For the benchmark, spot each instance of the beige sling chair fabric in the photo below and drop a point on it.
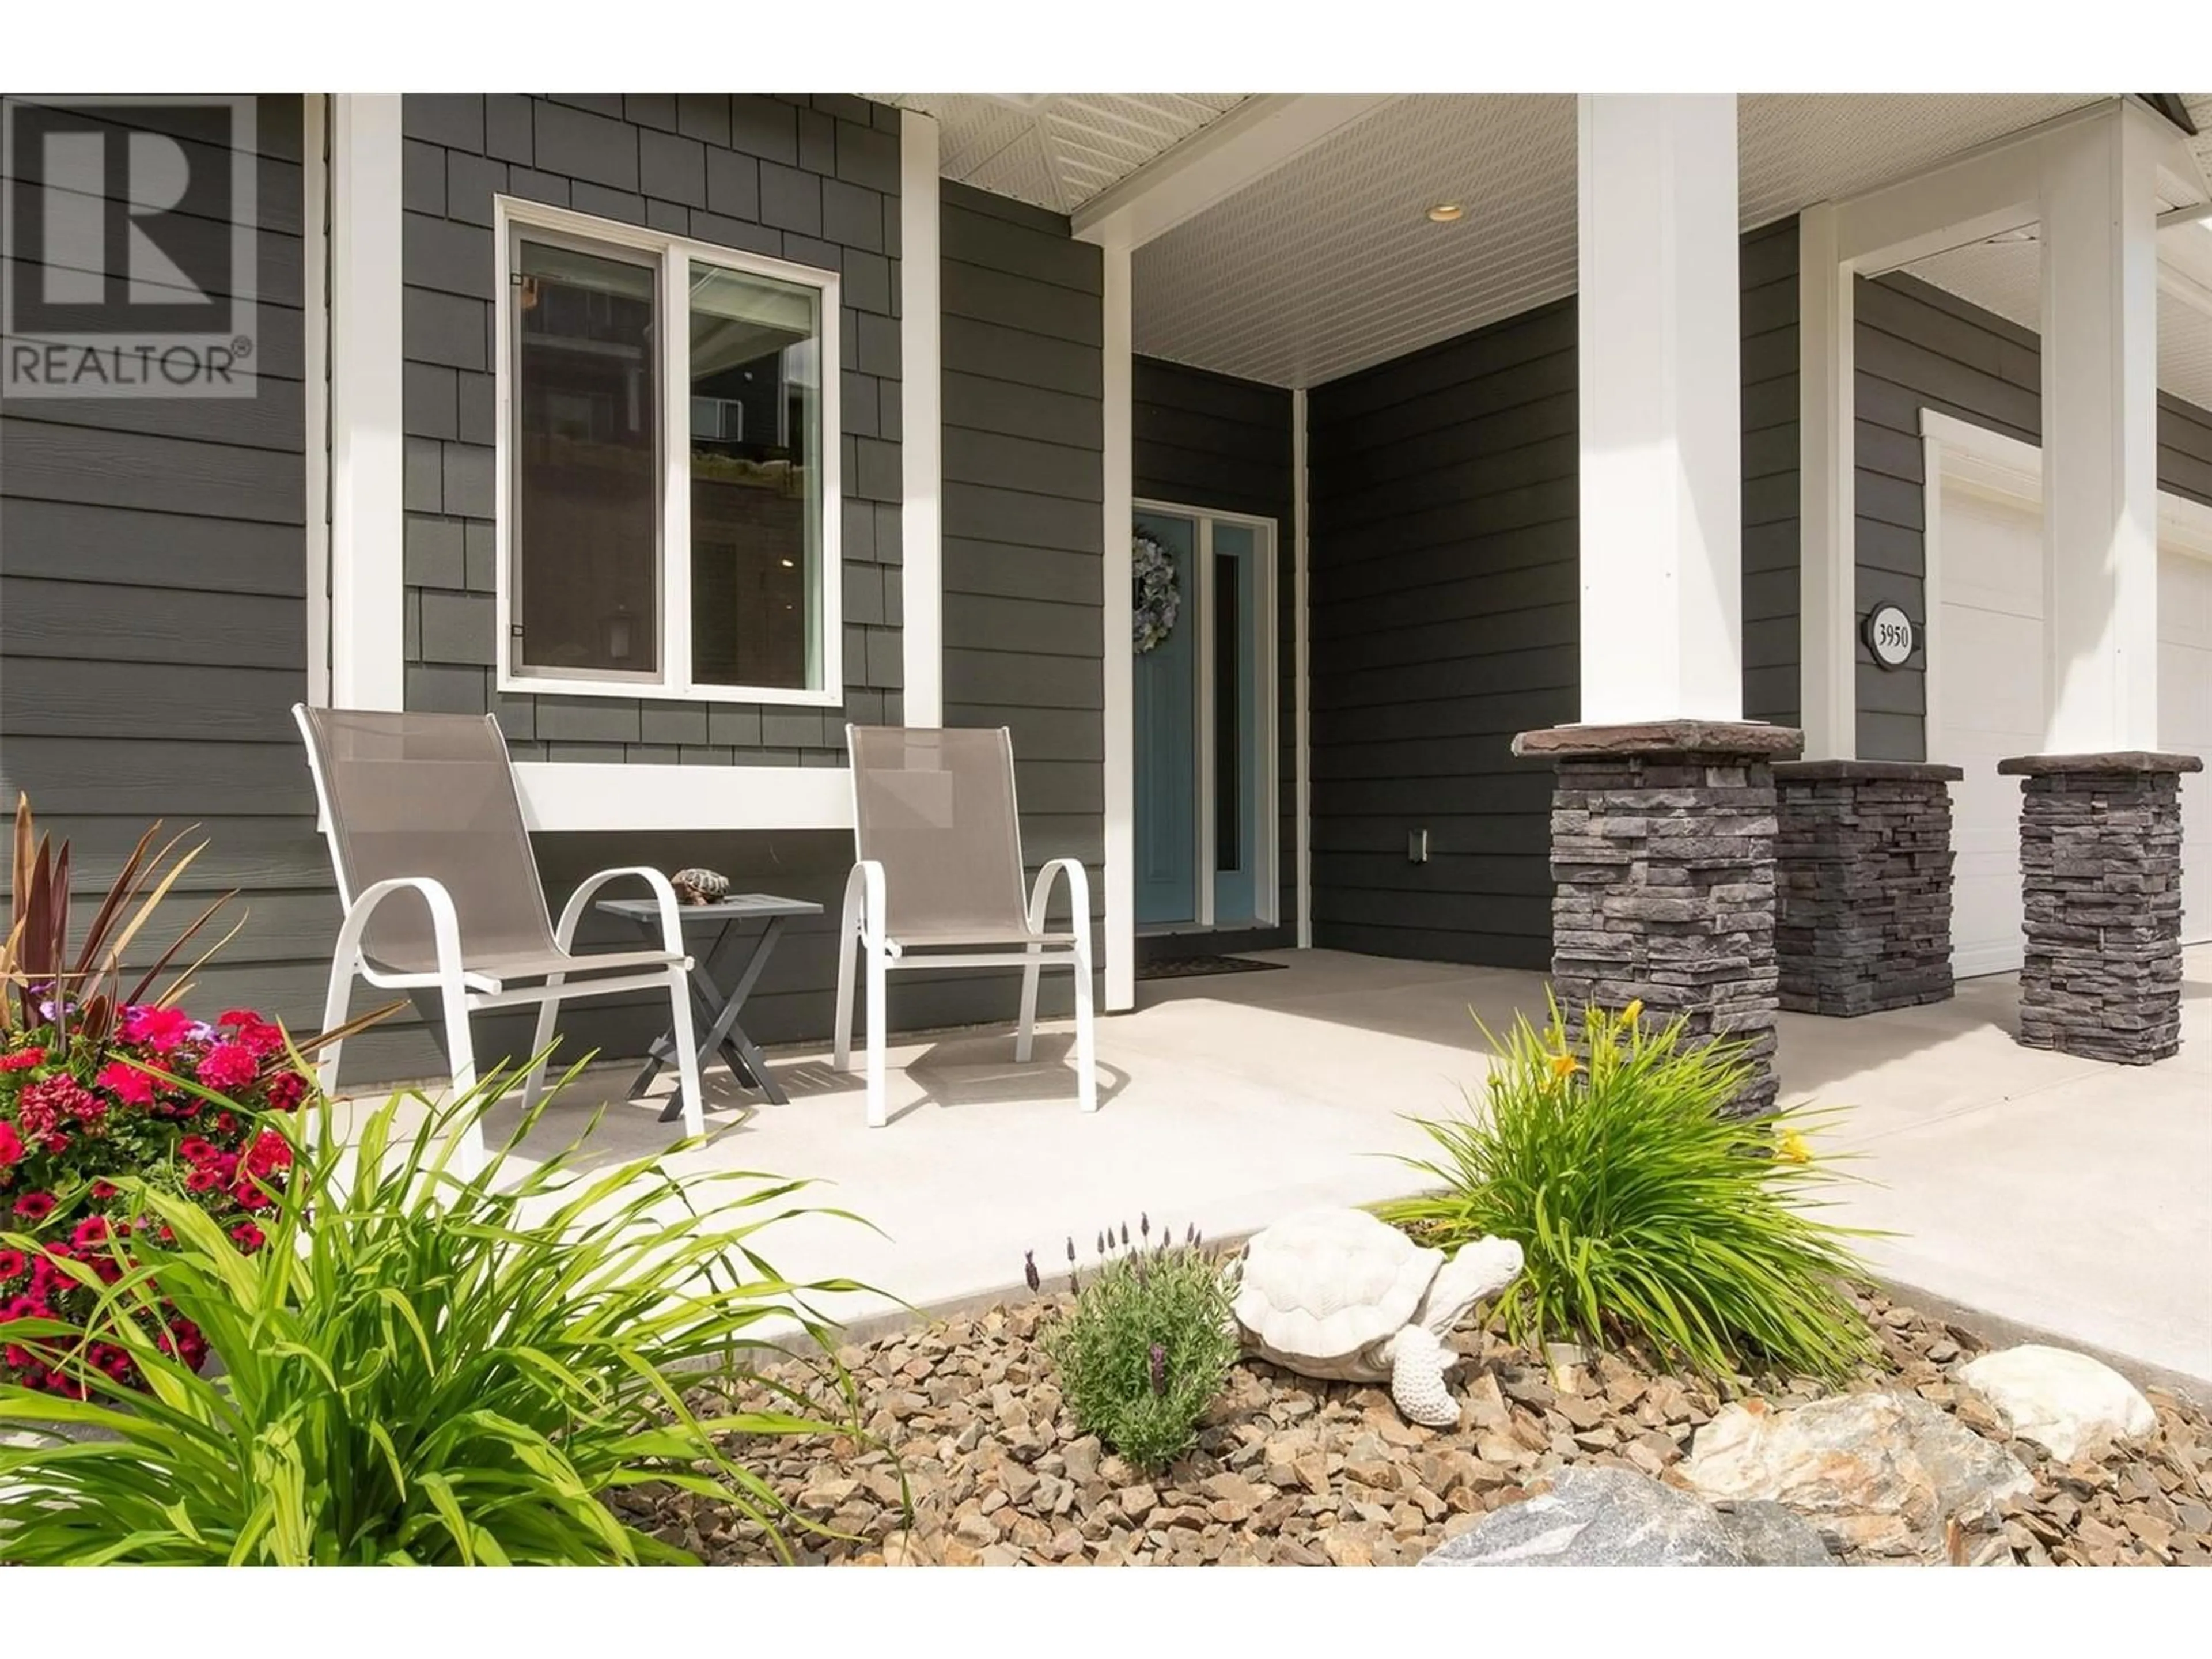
(938, 884)
(426, 806)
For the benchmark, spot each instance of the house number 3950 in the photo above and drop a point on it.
(1889, 636)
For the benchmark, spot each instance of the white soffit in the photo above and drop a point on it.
(1328, 266)
(1058, 149)
(2006, 277)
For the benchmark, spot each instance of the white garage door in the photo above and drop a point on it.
(1989, 628)
(2185, 719)
(1990, 631)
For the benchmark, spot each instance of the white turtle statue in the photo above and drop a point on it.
(1336, 1293)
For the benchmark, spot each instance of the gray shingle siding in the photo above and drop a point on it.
(1023, 382)
(152, 633)
(1918, 347)
(1224, 445)
(1443, 564)
(746, 172)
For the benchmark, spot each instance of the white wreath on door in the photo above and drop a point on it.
(1157, 598)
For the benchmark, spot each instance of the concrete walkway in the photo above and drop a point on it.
(2058, 1194)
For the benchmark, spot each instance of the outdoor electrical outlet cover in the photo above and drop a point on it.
(1416, 847)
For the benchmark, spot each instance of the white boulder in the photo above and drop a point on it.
(2065, 1403)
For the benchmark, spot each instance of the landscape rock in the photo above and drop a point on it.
(1595, 1517)
(2065, 1403)
(1878, 1474)
(1772, 1536)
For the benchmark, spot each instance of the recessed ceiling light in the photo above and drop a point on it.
(1445, 212)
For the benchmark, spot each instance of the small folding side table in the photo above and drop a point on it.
(716, 1009)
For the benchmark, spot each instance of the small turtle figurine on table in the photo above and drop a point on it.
(700, 886)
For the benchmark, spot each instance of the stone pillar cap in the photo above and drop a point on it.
(1869, 771)
(1749, 737)
(2118, 761)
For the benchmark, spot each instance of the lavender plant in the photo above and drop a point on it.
(1148, 1343)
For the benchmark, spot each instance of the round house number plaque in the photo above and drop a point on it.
(1889, 636)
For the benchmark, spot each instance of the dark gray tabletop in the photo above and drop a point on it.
(735, 907)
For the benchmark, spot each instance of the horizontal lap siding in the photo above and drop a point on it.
(1442, 575)
(1918, 347)
(1446, 615)
(1023, 433)
(153, 624)
(1224, 446)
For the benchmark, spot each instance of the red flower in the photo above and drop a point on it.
(103, 1190)
(126, 1083)
(22, 1059)
(248, 1238)
(271, 1152)
(35, 1206)
(204, 1178)
(196, 1149)
(229, 1066)
(11, 1146)
(159, 1029)
(285, 1091)
(91, 1232)
(14, 1264)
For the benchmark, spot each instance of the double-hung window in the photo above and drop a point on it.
(668, 468)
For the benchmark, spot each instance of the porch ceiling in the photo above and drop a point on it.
(1328, 264)
(1058, 149)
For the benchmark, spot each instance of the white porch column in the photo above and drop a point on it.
(2099, 434)
(368, 598)
(1117, 463)
(1827, 457)
(1661, 489)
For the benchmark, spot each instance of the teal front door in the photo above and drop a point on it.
(1204, 729)
(1166, 729)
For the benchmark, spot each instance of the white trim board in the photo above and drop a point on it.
(614, 795)
(315, 202)
(1301, 669)
(367, 597)
(1118, 472)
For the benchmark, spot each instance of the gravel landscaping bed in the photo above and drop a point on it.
(1291, 1471)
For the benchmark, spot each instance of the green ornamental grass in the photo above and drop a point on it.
(1147, 1346)
(418, 1367)
(1645, 1213)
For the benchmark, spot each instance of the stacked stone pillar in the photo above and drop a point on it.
(2100, 879)
(1864, 919)
(1663, 858)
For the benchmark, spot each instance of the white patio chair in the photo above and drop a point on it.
(426, 805)
(939, 884)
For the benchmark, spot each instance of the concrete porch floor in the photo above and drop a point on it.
(2057, 1194)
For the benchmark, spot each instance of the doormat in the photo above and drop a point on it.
(1194, 967)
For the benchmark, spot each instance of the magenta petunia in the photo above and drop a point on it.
(159, 1029)
(229, 1066)
(126, 1083)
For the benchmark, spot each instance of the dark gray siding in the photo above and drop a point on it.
(1224, 445)
(1769, 325)
(1441, 564)
(1446, 616)
(811, 181)
(1918, 347)
(153, 624)
(1023, 383)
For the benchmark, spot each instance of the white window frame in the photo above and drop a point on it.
(672, 255)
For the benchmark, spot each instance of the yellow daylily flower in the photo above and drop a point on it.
(1791, 1145)
(1631, 1013)
(1565, 1066)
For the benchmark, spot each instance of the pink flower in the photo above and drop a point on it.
(22, 1059)
(126, 1083)
(159, 1029)
(11, 1146)
(229, 1066)
(35, 1206)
